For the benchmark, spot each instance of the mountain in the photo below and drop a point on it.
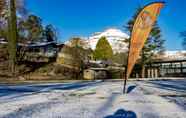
(115, 37)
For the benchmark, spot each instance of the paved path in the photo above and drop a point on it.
(145, 99)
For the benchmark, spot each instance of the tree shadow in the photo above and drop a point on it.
(131, 88)
(108, 103)
(25, 90)
(121, 113)
(173, 85)
(28, 110)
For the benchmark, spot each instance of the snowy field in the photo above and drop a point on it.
(145, 99)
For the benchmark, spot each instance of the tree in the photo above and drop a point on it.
(77, 42)
(154, 43)
(3, 33)
(21, 9)
(2, 5)
(120, 58)
(31, 29)
(12, 36)
(78, 52)
(8, 20)
(5, 13)
(183, 35)
(103, 50)
(19, 4)
(50, 33)
(74, 55)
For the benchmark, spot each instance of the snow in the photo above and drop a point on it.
(96, 99)
(115, 37)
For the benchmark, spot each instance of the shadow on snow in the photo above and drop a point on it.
(121, 113)
(131, 88)
(172, 85)
(24, 90)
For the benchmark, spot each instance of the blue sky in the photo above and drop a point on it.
(84, 17)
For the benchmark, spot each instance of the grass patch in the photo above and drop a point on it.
(82, 94)
(102, 97)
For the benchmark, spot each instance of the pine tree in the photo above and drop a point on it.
(183, 35)
(103, 50)
(154, 43)
(50, 33)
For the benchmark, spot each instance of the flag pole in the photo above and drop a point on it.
(125, 76)
(124, 86)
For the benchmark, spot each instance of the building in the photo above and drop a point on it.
(38, 51)
(170, 64)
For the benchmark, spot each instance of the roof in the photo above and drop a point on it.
(101, 69)
(38, 44)
(169, 61)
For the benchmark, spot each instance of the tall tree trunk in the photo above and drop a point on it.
(143, 65)
(12, 36)
(143, 71)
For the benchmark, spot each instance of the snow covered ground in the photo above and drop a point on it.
(145, 99)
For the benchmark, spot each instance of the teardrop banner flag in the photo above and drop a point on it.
(141, 30)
